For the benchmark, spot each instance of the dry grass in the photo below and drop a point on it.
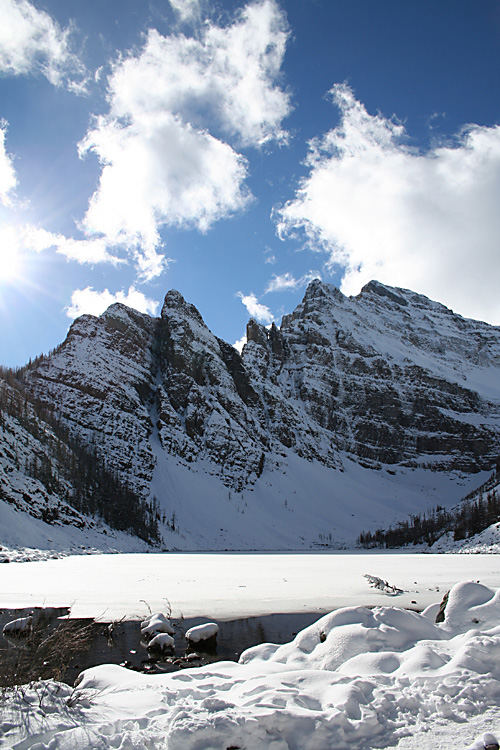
(44, 653)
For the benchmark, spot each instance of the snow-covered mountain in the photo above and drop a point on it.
(352, 414)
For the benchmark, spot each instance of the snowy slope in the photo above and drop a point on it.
(353, 414)
(37, 519)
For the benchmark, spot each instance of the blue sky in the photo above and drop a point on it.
(235, 151)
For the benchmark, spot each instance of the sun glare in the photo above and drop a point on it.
(10, 264)
(10, 256)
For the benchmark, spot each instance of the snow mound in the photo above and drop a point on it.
(17, 627)
(155, 624)
(161, 642)
(357, 678)
(202, 632)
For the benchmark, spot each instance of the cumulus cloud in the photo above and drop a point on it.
(89, 301)
(240, 343)
(427, 220)
(31, 41)
(287, 282)
(159, 171)
(174, 109)
(229, 74)
(8, 179)
(255, 308)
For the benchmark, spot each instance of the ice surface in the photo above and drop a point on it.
(228, 585)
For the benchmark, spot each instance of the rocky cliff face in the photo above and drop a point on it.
(388, 377)
(384, 400)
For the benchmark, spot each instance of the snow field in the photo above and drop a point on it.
(358, 677)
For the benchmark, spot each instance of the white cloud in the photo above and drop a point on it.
(424, 220)
(30, 40)
(159, 171)
(240, 343)
(164, 160)
(89, 301)
(228, 74)
(187, 10)
(256, 309)
(28, 238)
(286, 281)
(8, 179)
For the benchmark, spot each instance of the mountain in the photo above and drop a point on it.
(352, 414)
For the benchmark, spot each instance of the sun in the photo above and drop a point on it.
(10, 264)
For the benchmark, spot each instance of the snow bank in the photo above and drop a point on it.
(484, 543)
(356, 678)
(488, 741)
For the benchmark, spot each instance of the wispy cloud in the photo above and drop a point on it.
(89, 301)
(286, 281)
(187, 10)
(8, 179)
(179, 109)
(255, 308)
(29, 238)
(32, 42)
(381, 209)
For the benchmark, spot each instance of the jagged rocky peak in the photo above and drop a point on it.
(184, 339)
(269, 340)
(175, 303)
(256, 333)
(319, 298)
(376, 289)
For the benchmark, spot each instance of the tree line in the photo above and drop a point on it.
(73, 470)
(472, 516)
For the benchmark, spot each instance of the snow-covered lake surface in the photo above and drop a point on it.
(225, 586)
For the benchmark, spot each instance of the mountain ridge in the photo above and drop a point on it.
(384, 402)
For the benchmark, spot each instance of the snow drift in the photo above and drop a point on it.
(355, 678)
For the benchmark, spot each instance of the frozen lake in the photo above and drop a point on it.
(230, 585)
